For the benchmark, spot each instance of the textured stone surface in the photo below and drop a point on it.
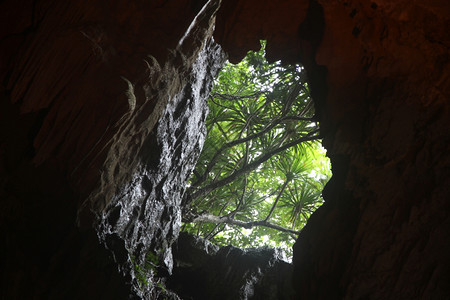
(205, 271)
(101, 126)
(146, 212)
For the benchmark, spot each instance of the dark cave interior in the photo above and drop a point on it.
(102, 110)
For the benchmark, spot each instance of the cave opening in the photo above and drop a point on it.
(262, 169)
(383, 74)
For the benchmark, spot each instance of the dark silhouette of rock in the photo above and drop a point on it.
(205, 271)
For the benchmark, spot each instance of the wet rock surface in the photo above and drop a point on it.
(99, 132)
(205, 271)
(145, 217)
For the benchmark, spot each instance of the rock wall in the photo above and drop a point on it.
(380, 77)
(92, 95)
(144, 217)
(103, 110)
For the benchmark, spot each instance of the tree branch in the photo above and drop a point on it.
(248, 168)
(208, 218)
(234, 97)
(230, 144)
(276, 200)
(283, 117)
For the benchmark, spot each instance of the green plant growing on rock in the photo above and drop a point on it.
(143, 273)
(262, 169)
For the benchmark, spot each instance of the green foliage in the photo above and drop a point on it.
(143, 273)
(262, 163)
(152, 259)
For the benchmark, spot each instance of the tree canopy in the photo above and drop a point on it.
(262, 168)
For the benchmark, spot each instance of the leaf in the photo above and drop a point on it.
(259, 115)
